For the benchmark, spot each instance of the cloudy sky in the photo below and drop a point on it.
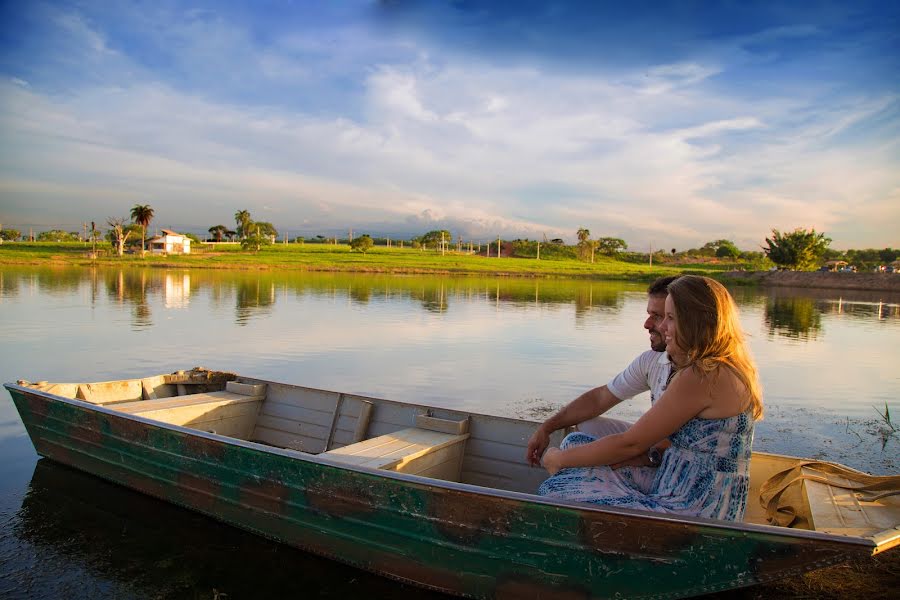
(670, 124)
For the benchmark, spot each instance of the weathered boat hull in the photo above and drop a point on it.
(452, 537)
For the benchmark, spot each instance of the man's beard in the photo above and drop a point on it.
(659, 346)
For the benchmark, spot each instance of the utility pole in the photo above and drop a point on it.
(539, 251)
(84, 232)
(442, 243)
(351, 234)
(498, 245)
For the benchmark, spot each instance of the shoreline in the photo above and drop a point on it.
(881, 282)
(327, 259)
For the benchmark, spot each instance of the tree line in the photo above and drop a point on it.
(800, 249)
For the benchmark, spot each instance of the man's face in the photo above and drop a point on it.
(656, 310)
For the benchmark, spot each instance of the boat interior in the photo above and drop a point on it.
(430, 442)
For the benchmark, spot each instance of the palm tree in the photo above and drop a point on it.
(243, 221)
(142, 214)
(583, 234)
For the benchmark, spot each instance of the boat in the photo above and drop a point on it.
(436, 497)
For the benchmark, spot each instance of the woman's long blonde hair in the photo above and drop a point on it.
(709, 330)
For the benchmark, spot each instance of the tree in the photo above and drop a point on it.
(585, 245)
(56, 235)
(432, 239)
(263, 228)
(611, 246)
(583, 234)
(255, 241)
(118, 233)
(218, 232)
(142, 214)
(799, 249)
(243, 221)
(10, 235)
(727, 250)
(362, 243)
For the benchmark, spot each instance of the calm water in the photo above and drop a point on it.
(510, 347)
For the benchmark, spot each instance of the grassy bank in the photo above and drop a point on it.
(320, 257)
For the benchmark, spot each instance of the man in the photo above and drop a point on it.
(649, 371)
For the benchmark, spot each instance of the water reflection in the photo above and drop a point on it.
(131, 288)
(791, 313)
(798, 313)
(89, 538)
(797, 318)
(253, 299)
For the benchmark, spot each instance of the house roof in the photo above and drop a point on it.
(169, 232)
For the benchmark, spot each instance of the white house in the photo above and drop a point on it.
(170, 243)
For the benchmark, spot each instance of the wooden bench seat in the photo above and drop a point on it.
(838, 510)
(231, 412)
(415, 451)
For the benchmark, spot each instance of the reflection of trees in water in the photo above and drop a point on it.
(798, 318)
(50, 281)
(9, 284)
(360, 293)
(131, 287)
(590, 298)
(253, 298)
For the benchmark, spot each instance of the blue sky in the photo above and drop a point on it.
(670, 124)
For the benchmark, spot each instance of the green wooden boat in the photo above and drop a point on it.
(438, 498)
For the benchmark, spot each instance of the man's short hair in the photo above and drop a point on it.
(658, 287)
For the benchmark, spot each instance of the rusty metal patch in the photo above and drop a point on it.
(466, 518)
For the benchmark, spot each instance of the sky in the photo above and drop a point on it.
(666, 124)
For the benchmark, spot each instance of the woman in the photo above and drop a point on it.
(707, 413)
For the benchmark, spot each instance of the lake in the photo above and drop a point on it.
(512, 347)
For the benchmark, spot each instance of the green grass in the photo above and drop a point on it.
(325, 257)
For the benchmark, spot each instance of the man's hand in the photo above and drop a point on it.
(551, 460)
(536, 446)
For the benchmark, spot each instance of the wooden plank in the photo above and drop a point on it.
(838, 510)
(247, 389)
(490, 449)
(283, 439)
(410, 450)
(292, 427)
(300, 414)
(235, 420)
(303, 397)
(444, 425)
(186, 415)
(105, 392)
(141, 406)
(444, 463)
(362, 421)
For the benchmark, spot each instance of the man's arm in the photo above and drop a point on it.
(586, 406)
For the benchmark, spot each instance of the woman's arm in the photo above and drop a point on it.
(685, 398)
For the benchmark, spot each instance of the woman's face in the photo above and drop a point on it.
(669, 329)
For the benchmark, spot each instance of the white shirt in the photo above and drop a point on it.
(649, 371)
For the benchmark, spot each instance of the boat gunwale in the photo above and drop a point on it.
(468, 488)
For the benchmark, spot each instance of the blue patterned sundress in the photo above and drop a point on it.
(704, 473)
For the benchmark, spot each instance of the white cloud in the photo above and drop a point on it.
(659, 154)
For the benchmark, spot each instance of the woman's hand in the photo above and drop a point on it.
(552, 460)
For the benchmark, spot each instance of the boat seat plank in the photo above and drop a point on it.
(140, 406)
(413, 450)
(837, 510)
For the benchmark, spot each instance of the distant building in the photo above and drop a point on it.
(836, 265)
(170, 242)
